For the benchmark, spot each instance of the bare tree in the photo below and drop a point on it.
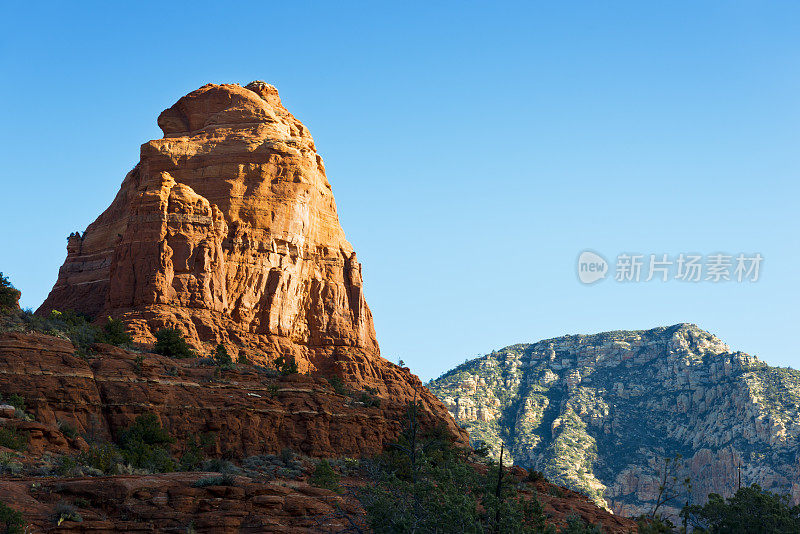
(670, 488)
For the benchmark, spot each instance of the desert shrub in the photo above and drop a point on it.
(144, 445)
(223, 480)
(66, 512)
(9, 295)
(221, 356)
(17, 401)
(66, 465)
(324, 476)
(194, 455)
(576, 525)
(752, 510)
(423, 483)
(170, 342)
(114, 333)
(9, 464)
(242, 358)
(654, 525)
(218, 465)
(287, 455)
(338, 386)
(286, 365)
(369, 400)
(138, 364)
(105, 457)
(534, 476)
(11, 438)
(68, 429)
(12, 519)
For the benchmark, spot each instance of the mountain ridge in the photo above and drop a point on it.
(569, 406)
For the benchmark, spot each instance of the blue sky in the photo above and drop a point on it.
(474, 150)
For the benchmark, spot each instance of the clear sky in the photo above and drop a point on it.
(474, 149)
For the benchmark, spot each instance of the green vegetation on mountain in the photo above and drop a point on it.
(600, 413)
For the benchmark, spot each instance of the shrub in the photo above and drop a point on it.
(423, 483)
(67, 512)
(369, 400)
(338, 386)
(325, 477)
(170, 342)
(9, 295)
(11, 438)
(218, 465)
(223, 480)
(654, 525)
(138, 364)
(749, 510)
(105, 457)
(576, 525)
(535, 476)
(68, 429)
(242, 358)
(221, 356)
(287, 455)
(17, 401)
(65, 465)
(114, 333)
(286, 365)
(144, 445)
(194, 454)
(12, 519)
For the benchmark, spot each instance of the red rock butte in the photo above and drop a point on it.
(226, 229)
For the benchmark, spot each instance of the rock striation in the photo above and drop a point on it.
(599, 413)
(227, 229)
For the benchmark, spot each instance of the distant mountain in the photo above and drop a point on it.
(599, 413)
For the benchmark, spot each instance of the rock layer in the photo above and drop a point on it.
(227, 229)
(599, 413)
(251, 410)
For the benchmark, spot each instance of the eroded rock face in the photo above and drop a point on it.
(600, 413)
(227, 229)
(249, 409)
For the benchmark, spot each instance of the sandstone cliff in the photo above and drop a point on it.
(227, 229)
(599, 413)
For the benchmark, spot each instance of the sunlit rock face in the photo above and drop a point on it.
(600, 413)
(227, 228)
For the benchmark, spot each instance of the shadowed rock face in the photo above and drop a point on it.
(227, 229)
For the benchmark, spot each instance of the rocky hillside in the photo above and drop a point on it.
(599, 413)
(227, 230)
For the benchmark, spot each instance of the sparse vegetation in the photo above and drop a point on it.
(325, 477)
(67, 512)
(222, 480)
(12, 519)
(338, 386)
(221, 356)
(68, 429)
(286, 365)
(170, 342)
(194, 455)
(145, 445)
(13, 439)
(9, 295)
(750, 509)
(422, 483)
